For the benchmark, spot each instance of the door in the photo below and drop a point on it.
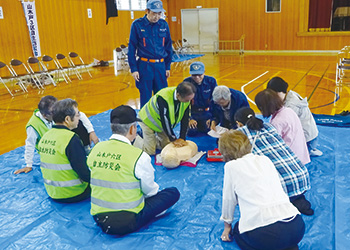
(200, 27)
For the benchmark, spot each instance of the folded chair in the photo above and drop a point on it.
(50, 66)
(63, 64)
(3, 66)
(77, 62)
(38, 71)
(19, 70)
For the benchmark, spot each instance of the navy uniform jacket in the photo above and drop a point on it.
(149, 40)
(238, 100)
(204, 93)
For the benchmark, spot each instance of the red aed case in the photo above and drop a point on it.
(214, 155)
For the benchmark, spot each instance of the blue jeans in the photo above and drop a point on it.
(277, 236)
(124, 222)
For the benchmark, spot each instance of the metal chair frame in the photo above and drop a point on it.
(67, 67)
(37, 68)
(77, 62)
(50, 65)
(17, 63)
(121, 56)
(3, 65)
(343, 66)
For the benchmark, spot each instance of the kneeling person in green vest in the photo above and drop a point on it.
(162, 113)
(124, 195)
(39, 123)
(63, 158)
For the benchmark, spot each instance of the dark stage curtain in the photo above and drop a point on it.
(320, 13)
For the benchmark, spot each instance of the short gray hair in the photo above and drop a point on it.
(221, 92)
(121, 129)
(62, 109)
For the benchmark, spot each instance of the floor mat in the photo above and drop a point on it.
(29, 220)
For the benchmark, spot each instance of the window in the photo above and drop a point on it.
(131, 4)
(273, 6)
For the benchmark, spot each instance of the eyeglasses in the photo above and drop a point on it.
(197, 75)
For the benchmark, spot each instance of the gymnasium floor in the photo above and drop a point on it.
(29, 220)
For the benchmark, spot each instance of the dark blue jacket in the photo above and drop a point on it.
(238, 100)
(149, 40)
(204, 93)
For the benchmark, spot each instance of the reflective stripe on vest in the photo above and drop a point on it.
(150, 117)
(115, 205)
(149, 113)
(55, 166)
(70, 183)
(60, 180)
(115, 185)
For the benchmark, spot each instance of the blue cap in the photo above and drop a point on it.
(197, 68)
(155, 6)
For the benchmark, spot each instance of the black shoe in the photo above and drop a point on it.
(344, 113)
(303, 205)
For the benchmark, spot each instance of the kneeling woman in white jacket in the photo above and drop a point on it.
(267, 219)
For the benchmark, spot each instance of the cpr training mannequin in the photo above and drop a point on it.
(172, 156)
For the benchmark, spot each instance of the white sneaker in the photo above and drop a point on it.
(315, 152)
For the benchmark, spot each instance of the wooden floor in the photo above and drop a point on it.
(310, 76)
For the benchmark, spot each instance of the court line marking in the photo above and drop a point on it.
(226, 75)
(313, 91)
(303, 77)
(242, 88)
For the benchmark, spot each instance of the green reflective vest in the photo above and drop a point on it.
(38, 125)
(60, 180)
(149, 113)
(114, 186)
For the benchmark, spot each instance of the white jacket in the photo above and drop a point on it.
(301, 107)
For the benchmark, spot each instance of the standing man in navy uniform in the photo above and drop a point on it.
(150, 41)
(200, 117)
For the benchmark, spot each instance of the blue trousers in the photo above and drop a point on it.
(277, 236)
(152, 79)
(201, 118)
(124, 222)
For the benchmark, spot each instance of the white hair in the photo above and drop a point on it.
(221, 92)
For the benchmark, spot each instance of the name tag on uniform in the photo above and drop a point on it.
(162, 30)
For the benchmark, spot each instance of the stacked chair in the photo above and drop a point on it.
(122, 57)
(343, 66)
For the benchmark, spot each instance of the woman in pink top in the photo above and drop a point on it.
(285, 120)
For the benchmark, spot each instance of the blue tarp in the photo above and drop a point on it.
(332, 120)
(184, 57)
(29, 220)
